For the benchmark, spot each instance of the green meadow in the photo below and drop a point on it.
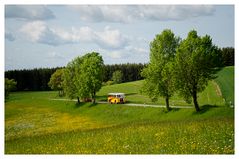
(36, 124)
(225, 81)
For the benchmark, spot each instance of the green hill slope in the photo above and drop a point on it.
(209, 96)
(36, 124)
(225, 80)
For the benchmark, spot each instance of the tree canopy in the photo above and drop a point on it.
(117, 77)
(56, 81)
(10, 85)
(83, 76)
(158, 74)
(228, 56)
(69, 78)
(195, 64)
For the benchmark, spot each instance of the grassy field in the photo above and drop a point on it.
(132, 89)
(34, 124)
(225, 81)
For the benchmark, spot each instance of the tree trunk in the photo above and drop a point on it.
(167, 103)
(78, 100)
(93, 98)
(61, 93)
(195, 102)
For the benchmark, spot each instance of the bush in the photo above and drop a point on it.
(108, 83)
(10, 85)
(117, 77)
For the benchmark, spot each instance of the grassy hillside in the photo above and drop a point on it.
(225, 80)
(133, 95)
(34, 124)
(212, 95)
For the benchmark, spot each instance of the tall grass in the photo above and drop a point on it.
(194, 137)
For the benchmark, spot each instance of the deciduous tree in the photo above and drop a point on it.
(83, 76)
(158, 74)
(69, 79)
(56, 81)
(117, 77)
(10, 85)
(195, 65)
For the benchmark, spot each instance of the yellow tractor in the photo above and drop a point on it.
(116, 98)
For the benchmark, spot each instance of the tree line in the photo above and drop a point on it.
(37, 79)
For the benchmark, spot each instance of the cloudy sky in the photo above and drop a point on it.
(52, 35)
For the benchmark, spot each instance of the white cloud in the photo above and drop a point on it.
(110, 13)
(138, 50)
(129, 13)
(109, 38)
(89, 13)
(175, 12)
(55, 56)
(125, 55)
(116, 54)
(38, 31)
(28, 12)
(34, 30)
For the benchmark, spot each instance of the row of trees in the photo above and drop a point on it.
(64, 79)
(228, 56)
(33, 80)
(37, 79)
(83, 76)
(130, 72)
(184, 66)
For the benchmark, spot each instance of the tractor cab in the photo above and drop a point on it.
(116, 98)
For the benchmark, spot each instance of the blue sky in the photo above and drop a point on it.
(52, 35)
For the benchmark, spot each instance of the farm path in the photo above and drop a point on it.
(133, 104)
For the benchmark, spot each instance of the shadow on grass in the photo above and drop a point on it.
(78, 105)
(81, 104)
(164, 110)
(129, 102)
(174, 109)
(205, 108)
(93, 105)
